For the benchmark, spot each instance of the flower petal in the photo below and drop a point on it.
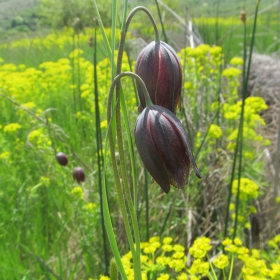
(183, 135)
(148, 151)
(171, 149)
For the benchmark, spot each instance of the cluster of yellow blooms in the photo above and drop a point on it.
(163, 260)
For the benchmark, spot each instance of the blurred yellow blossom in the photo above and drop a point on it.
(167, 240)
(248, 188)
(90, 207)
(231, 72)
(45, 181)
(163, 276)
(235, 61)
(167, 247)
(221, 261)
(77, 193)
(178, 248)
(199, 267)
(104, 277)
(215, 131)
(200, 247)
(11, 127)
(5, 155)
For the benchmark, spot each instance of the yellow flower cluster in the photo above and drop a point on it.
(159, 257)
(90, 207)
(56, 40)
(39, 138)
(215, 132)
(162, 265)
(236, 61)
(231, 72)
(200, 247)
(11, 127)
(77, 193)
(221, 261)
(253, 106)
(248, 188)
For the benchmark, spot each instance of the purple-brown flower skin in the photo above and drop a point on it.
(61, 159)
(79, 174)
(159, 67)
(164, 147)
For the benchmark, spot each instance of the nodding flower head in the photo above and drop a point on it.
(79, 174)
(164, 147)
(159, 67)
(61, 158)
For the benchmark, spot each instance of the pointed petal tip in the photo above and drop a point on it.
(165, 187)
(197, 173)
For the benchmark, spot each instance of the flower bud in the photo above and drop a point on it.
(159, 67)
(61, 158)
(79, 174)
(164, 147)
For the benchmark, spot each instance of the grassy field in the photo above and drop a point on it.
(53, 97)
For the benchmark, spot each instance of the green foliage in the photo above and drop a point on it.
(51, 222)
(76, 13)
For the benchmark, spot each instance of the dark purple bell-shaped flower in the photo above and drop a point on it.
(79, 174)
(159, 67)
(61, 159)
(164, 147)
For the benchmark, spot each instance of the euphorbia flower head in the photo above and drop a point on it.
(164, 147)
(159, 67)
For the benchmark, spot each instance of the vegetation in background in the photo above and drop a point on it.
(50, 224)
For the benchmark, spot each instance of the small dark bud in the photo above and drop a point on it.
(79, 174)
(90, 41)
(243, 17)
(62, 158)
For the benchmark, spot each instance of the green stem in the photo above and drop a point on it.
(99, 152)
(104, 36)
(161, 22)
(107, 218)
(139, 80)
(113, 39)
(205, 136)
(212, 268)
(115, 171)
(135, 253)
(231, 267)
(140, 8)
(118, 71)
(244, 90)
(147, 205)
(124, 16)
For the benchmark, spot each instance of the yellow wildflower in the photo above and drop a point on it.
(221, 261)
(199, 267)
(182, 276)
(11, 127)
(90, 207)
(178, 248)
(215, 131)
(77, 193)
(167, 248)
(248, 188)
(163, 276)
(163, 261)
(235, 61)
(178, 255)
(154, 239)
(167, 240)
